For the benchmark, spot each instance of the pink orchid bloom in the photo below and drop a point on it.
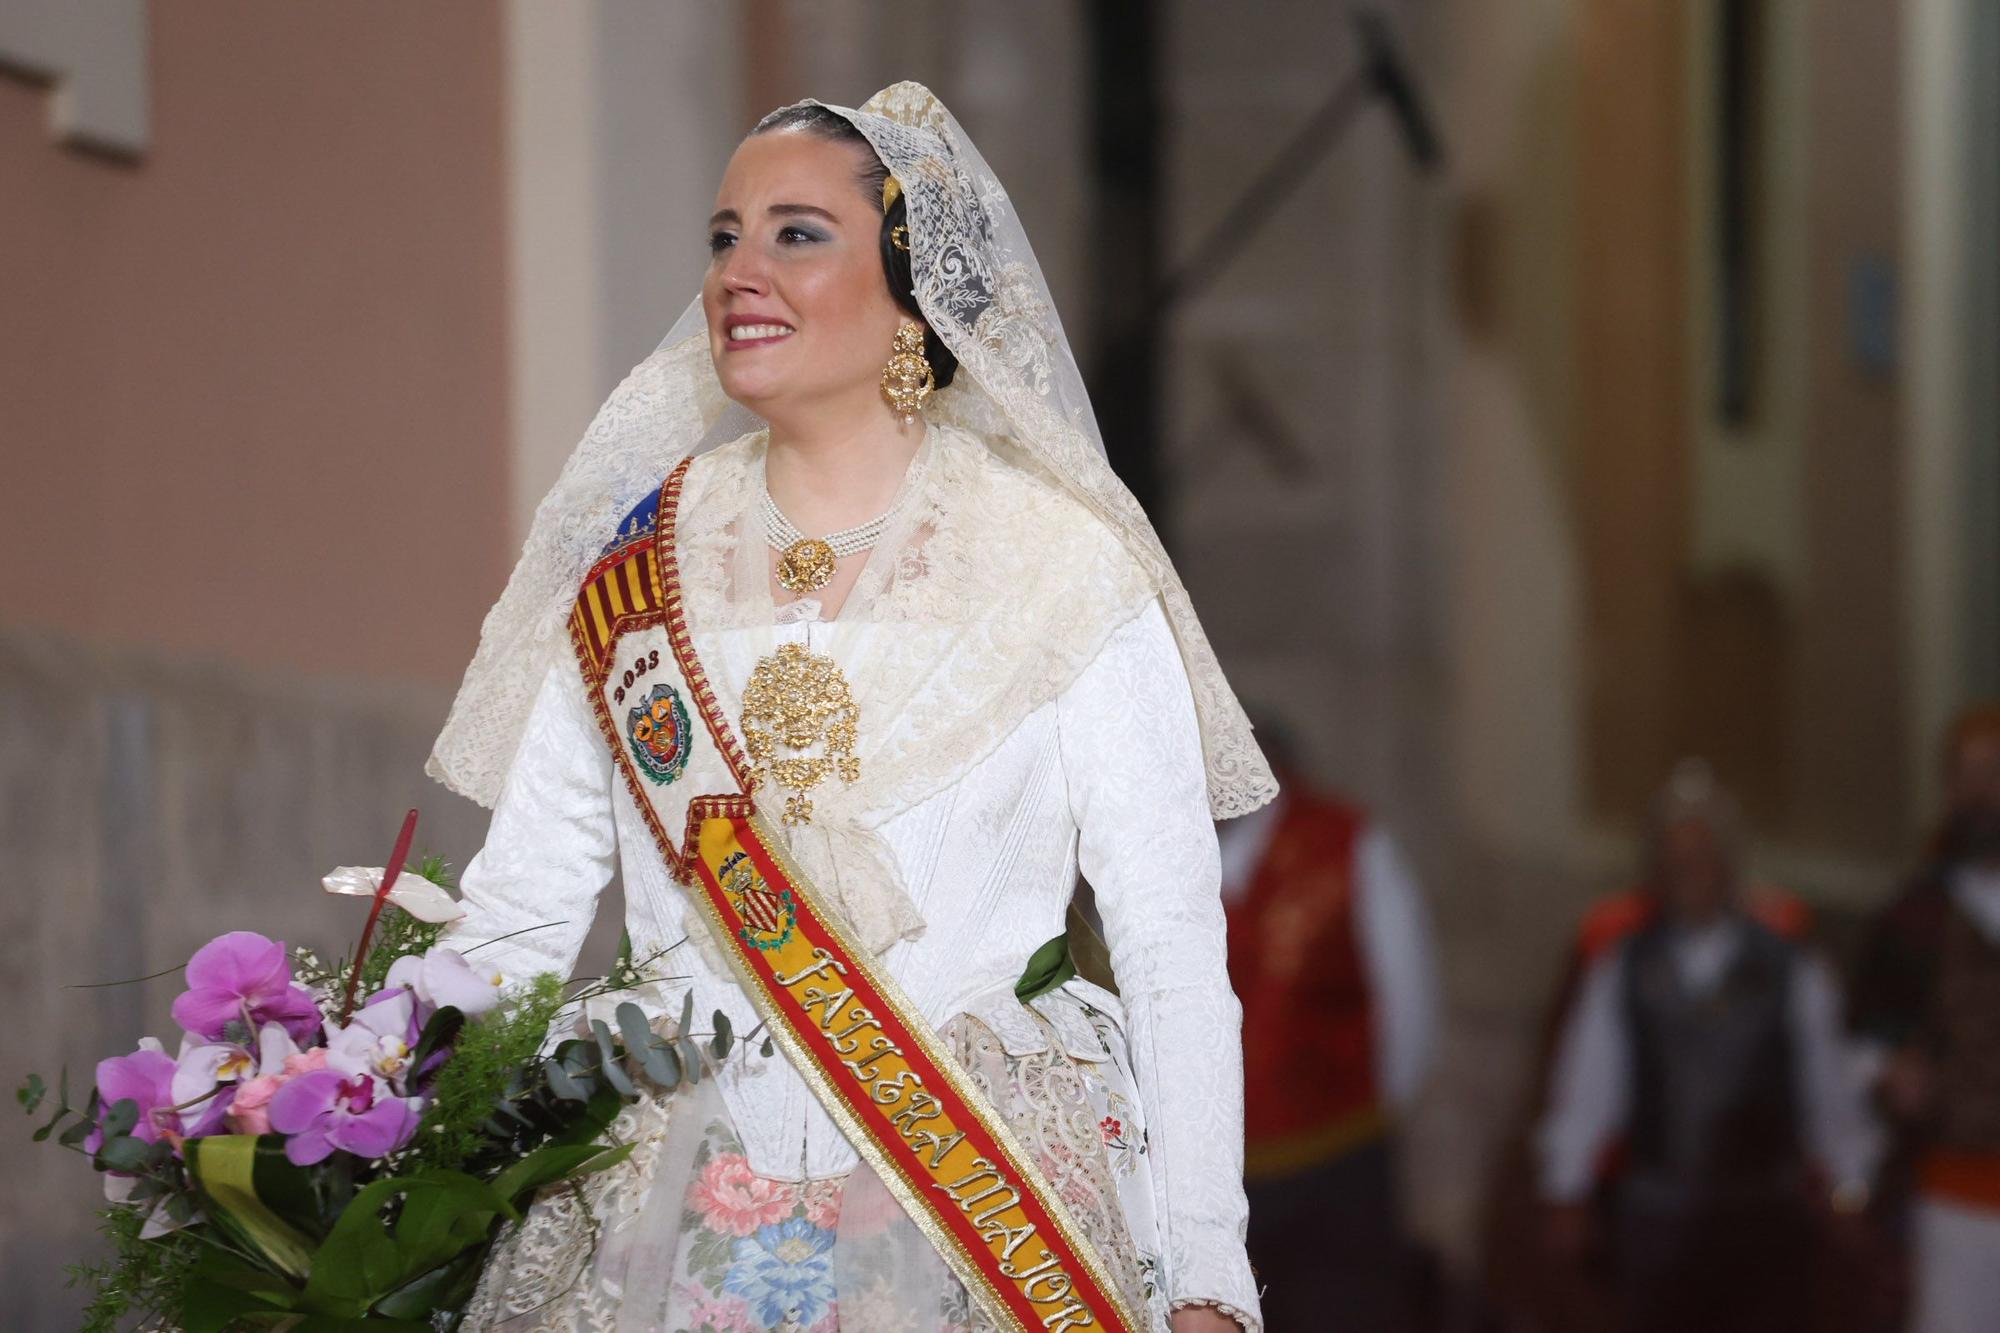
(145, 1078)
(244, 977)
(380, 1038)
(444, 977)
(324, 1111)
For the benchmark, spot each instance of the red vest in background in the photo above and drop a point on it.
(1308, 1017)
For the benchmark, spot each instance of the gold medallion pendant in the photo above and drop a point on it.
(806, 565)
(797, 700)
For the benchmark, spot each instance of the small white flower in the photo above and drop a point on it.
(413, 893)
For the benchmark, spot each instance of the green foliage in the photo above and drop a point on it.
(624, 973)
(487, 1058)
(141, 1278)
(367, 1255)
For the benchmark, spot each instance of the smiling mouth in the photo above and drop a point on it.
(759, 333)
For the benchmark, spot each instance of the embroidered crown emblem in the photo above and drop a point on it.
(768, 915)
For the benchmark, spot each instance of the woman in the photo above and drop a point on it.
(985, 677)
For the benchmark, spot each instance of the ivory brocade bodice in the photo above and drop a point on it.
(1107, 778)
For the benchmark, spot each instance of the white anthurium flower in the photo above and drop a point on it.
(445, 977)
(413, 893)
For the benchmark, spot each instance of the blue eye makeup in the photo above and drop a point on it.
(791, 233)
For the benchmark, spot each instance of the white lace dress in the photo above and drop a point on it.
(745, 1208)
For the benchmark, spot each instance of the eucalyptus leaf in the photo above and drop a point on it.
(596, 1117)
(579, 1057)
(661, 1064)
(505, 1109)
(43, 1133)
(632, 1026)
(615, 1075)
(121, 1119)
(768, 1047)
(122, 1154)
(30, 1093)
(76, 1134)
(687, 1011)
(561, 1084)
(690, 1058)
(720, 1042)
(614, 1071)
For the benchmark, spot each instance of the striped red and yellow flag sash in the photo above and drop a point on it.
(622, 589)
(900, 1098)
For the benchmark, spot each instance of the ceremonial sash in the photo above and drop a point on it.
(865, 1050)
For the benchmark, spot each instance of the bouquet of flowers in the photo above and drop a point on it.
(338, 1147)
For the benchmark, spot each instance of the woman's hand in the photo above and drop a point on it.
(1202, 1319)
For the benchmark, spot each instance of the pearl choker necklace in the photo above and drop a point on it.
(805, 564)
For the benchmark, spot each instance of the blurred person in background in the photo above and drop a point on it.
(1927, 999)
(1710, 1044)
(1330, 952)
(1515, 1279)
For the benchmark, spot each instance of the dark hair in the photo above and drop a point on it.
(835, 128)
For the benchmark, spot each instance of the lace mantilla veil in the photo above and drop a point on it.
(1017, 391)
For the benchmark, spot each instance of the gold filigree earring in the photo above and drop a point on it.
(907, 381)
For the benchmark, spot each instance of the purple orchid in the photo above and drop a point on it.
(379, 1040)
(145, 1078)
(327, 1110)
(208, 1076)
(444, 977)
(244, 977)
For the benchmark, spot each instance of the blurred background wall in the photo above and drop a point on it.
(1658, 418)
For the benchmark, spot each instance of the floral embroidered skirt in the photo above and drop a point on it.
(683, 1237)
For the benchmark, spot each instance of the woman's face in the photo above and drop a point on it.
(799, 311)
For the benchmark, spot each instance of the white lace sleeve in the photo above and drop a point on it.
(552, 845)
(1131, 752)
